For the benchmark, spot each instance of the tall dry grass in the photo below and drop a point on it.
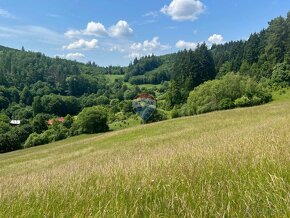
(223, 164)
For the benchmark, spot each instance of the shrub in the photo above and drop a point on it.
(242, 102)
(256, 100)
(4, 127)
(281, 74)
(32, 140)
(9, 142)
(232, 90)
(50, 135)
(158, 115)
(174, 113)
(225, 103)
(23, 131)
(4, 118)
(40, 123)
(68, 121)
(93, 120)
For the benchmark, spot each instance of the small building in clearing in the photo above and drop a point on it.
(15, 122)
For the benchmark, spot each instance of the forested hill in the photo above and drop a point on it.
(256, 57)
(3, 48)
(20, 68)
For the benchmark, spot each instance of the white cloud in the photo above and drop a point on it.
(149, 45)
(6, 14)
(186, 45)
(72, 56)
(184, 9)
(139, 49)
(153, 45)
(151, 14)
(216, 39)
(75, 55)
(95, 29)
(133, 55)
(72, 33)
(121, 29)
(118, 48)
(136, 46)
(82, 44)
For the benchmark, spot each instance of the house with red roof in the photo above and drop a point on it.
(59, 119)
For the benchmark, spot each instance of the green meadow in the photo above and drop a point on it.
(232, 163)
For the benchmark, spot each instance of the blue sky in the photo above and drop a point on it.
(112, 32)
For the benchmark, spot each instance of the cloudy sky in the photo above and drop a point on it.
(112, 32)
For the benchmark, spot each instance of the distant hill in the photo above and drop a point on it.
(255, 57)
(5, 49)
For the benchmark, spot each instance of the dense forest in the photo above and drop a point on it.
(37, 90)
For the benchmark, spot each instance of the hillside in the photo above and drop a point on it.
(5, 49)
(231, 163)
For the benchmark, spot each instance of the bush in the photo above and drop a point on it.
(23, 131)
(33, 140)
(281, 75)
(4, 118)
(9, 142)
(93, 120)
(40, 123)
(174, 113)
(158, 115)
(225, 103)
(23, 113)
(68, 121)
(180, 111)
(4, 127)
(232, 90)
(126, 106)
(242, 102)
(50, 135)
(256, 100)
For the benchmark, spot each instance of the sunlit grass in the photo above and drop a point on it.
(118, 125)
(223, 164)
(148, 86)
(282, 95)
(113, 77)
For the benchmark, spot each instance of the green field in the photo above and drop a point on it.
(231, 163)
(112, 77)
(118, 125)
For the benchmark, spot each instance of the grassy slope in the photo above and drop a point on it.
(112, 77)
(230, 163)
